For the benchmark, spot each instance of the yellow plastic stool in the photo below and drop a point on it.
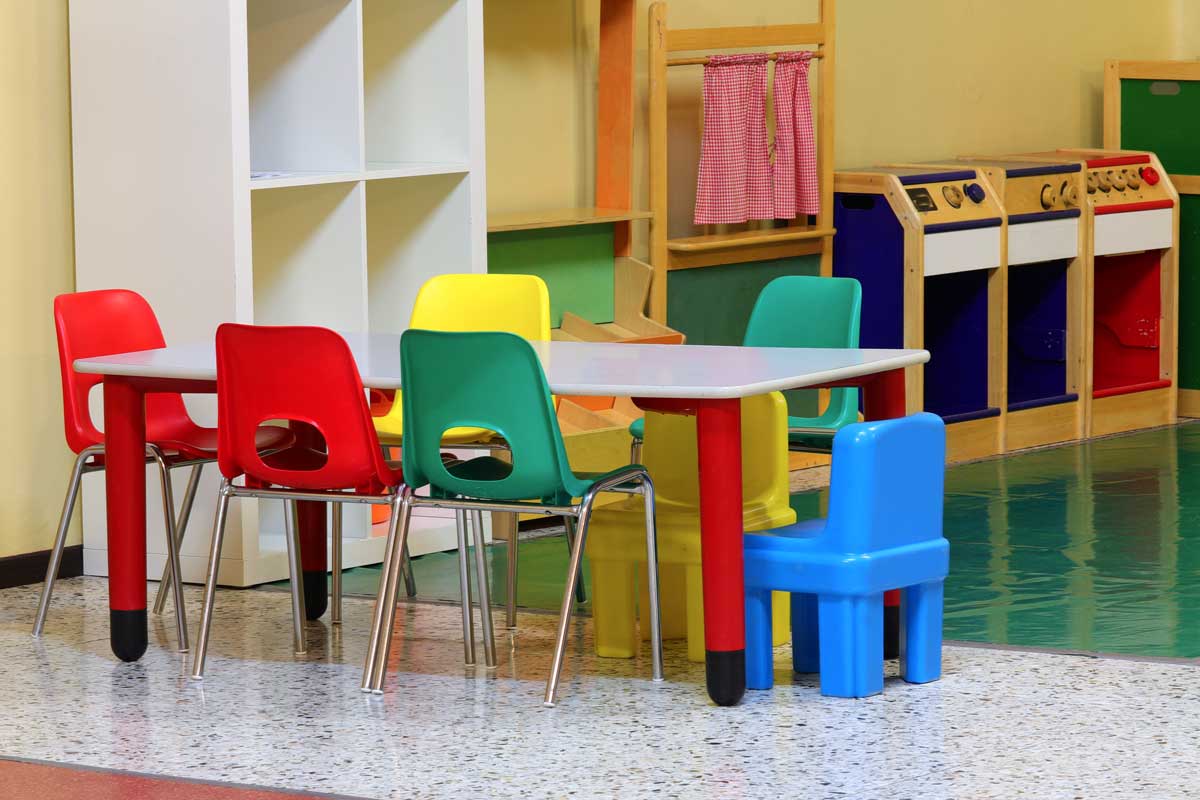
(517, 304)
(616, 545)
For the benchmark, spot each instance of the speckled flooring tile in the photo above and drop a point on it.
(1000, 724)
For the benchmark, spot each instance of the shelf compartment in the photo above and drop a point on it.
(1128, 307)
(1037, 335)
(305, 87)
(414, 232)
(308, 254)
(560, 218)
(956, 336)
(416, 80)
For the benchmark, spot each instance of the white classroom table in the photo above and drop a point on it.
(688, 379)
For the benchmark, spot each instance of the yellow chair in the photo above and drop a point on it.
(470, 303)
(616, 547)
(517, 304)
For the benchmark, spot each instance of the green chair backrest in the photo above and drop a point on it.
(809, 311)
(488, 380)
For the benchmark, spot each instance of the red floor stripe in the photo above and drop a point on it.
(22, 780)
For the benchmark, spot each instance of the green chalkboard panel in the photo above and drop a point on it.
(575, 262)
(1164, 117)
(1189, 292)
(711, 305)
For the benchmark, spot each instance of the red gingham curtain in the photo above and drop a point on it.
(734, 181)
(795, 168)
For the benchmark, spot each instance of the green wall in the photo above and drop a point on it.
(575, 262)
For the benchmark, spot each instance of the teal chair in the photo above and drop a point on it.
(802, 311)
(497, 384)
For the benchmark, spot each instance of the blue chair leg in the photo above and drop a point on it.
(805, 652)
(760, 661)
(851, 642)
(921, 639)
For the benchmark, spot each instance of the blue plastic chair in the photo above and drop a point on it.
(884, 531)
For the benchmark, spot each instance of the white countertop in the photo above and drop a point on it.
(581, 368)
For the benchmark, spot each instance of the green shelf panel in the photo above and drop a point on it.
(575, 262)
(1189, 292)
(1167, 124)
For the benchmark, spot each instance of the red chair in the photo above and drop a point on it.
(297, 374)
(106, 322)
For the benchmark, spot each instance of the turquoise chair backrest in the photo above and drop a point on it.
(808, 311)
(886, 486)
(481, 380)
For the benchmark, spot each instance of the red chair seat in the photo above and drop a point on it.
(202, 442)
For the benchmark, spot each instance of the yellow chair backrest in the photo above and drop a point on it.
(517, 304)
(670, 454)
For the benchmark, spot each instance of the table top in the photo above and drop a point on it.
(580, 368)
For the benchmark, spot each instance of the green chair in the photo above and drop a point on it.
(802, 311)
(497, 384)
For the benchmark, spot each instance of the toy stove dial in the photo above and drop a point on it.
(1103, 182)
(1150, 176)
(1069, 194)
(975, 192)
(1049, 197)
(1092, 184)
(953, 195)
(1133, 180)
(1117, 180)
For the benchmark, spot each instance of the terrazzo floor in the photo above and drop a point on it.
(1000, 724)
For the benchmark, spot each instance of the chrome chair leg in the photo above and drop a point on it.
(60, 539)
(291, 535)
(410, 582)
(210, 584)
(335, 609)
(635, 451)
(404, 511)
(464, 588)
(385, 592)
(510, 614)
(580, 589)
(656, 651)
(172, 535)
(485, 594)
(564, 616)
(181, 523)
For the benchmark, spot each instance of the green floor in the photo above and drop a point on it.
(1093, 547)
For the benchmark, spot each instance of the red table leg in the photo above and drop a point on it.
(883, 398)
(719, 449)
(125, 489)
(310, 517)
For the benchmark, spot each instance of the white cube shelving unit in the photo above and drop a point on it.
(274, 162)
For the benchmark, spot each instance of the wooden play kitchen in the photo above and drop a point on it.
(1044, 311)
(1131, 229)
(928, 246)
(1155, 105)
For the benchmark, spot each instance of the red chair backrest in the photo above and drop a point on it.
(104, 323)
(300, 374)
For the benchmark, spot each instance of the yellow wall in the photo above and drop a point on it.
(919, 79)
(36, 259)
